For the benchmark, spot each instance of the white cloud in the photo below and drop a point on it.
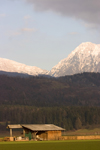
(27, 17)
(73, 33)
(2, 15)
(91, 25)
(12, 33)
(16, 33)
(28, 30)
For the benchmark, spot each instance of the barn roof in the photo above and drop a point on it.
(43, 127)
(37, 127)
(14, 126)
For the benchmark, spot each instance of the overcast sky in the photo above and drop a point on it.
(42, 32)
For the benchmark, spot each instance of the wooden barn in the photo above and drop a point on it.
(39, 131)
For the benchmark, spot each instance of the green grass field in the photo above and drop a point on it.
(51, 145)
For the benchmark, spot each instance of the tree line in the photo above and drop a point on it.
(67, 117)
(71, 102)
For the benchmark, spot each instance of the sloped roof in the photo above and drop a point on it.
(14, 126)
(42, 127)
(37, 127)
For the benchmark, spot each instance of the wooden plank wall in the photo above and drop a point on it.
(54, 135)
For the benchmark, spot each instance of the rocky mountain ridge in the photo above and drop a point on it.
(85, 58)
(7, 65)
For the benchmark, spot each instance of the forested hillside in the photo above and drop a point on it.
(70, 102)
(78, 90)
(72, 117)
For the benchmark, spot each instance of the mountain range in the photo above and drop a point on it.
(11, 66)
(85, 58)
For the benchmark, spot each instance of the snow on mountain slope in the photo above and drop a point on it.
(85, 58)
(12, 66)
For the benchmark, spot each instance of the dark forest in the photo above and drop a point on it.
(71, 102)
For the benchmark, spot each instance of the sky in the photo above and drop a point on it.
(43, 32)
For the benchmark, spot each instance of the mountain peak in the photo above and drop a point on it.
(85, 58)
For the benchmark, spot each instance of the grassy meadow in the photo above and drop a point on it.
(52, 145)
(94, 131)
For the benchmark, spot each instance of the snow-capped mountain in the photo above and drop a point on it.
(7, 65)
(85, 58)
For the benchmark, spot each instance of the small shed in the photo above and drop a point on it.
(39, 131)
(43, 131)
(13, 126)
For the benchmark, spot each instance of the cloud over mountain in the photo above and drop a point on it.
(88, 10)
